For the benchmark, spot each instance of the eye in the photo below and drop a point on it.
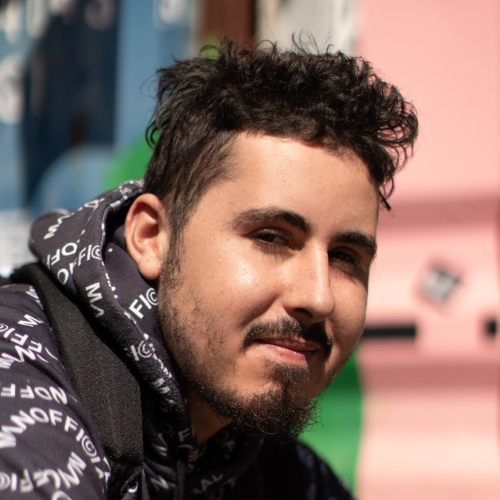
(272, 241)
(346, 259)
(270, 237)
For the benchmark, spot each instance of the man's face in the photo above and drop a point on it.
(272, 288)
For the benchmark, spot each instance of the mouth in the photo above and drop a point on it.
(290, 336)
(288, 350)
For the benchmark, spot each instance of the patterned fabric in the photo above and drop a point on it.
(49, 447)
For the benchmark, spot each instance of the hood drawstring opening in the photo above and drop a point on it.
(181, 469)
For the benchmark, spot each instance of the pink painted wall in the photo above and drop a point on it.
(444, 56)
(431, 415)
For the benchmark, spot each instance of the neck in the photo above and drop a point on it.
(205, 421)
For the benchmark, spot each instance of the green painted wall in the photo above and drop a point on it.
(337, 438)
(128, 164)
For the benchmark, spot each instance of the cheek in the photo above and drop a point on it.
(234, 284)
(349, 317)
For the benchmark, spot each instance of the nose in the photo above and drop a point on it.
(310, 296)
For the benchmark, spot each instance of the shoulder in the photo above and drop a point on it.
(25, 332)
(19, 296)
(294, 471)
(47, 441)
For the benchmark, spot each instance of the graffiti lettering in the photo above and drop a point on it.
(94, 297)
(74, 466)
(51, 231)
(159, 483)
(149, 301)
(8, 392)
(205, 483)
(29, 321)
(89, 252)
(33, 351)
(32, 293)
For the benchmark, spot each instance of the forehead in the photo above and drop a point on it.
(323, 187)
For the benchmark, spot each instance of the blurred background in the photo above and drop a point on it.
(414, 414)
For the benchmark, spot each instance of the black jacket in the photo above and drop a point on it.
(49, 447)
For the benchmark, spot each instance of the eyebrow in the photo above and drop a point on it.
(270, 215)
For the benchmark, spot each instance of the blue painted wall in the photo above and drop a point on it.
(76, 88)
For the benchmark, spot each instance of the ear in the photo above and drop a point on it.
(147, 231)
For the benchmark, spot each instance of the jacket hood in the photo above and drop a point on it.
(86, 252)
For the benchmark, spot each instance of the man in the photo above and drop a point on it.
(235, 281)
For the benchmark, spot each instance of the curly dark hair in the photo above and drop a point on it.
(328, 99)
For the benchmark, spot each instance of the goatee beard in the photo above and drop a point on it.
(280, 414)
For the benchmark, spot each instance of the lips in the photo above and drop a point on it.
(292, 344)
(285, 350)
(288, 333)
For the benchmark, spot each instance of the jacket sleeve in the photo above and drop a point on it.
(49, 448)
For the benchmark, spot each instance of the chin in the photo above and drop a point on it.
(279, 409)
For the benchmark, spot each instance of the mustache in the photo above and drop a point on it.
(292, 329)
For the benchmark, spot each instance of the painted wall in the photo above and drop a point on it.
(431, 405)
(428, 402)
(443, 56)
(409, 418)
(76, 94)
